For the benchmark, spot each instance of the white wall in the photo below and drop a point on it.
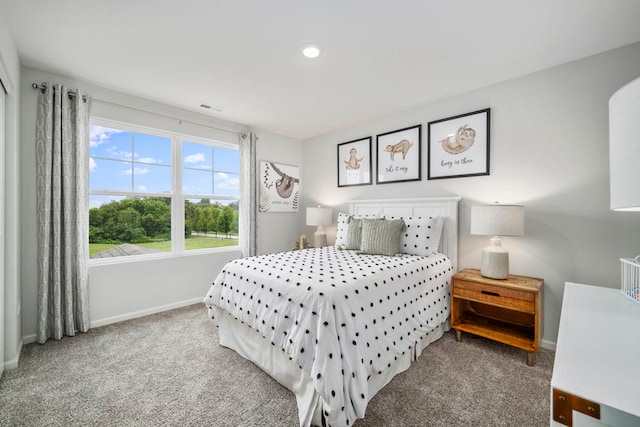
(278, 231)
(549, 152)
(129, 288)
(11, 194)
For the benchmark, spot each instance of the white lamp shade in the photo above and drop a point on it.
(497, 220)
(624, 147)
(318, 216)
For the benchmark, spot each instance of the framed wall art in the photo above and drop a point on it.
(398, 155)
(459, 146)
(279, 187)
(354, 162)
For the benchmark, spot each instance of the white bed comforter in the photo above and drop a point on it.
(341, 316)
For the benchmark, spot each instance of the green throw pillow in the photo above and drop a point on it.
(354, 234)
(381, 236)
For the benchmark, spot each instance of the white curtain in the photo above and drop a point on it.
(248, 194)
(62, 191)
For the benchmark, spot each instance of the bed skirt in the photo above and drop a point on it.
(252, 346)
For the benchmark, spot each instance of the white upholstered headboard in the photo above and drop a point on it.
(446, 207)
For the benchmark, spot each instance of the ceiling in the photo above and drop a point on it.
(244, 56)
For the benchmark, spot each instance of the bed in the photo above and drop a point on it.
(335, 324)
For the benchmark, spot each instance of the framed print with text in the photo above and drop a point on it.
(354, 162)
(398, 155)
(458, 146)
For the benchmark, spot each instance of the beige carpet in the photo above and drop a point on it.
(168, 370)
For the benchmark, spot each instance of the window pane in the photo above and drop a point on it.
(226, 184)
(197, 182)
(226, 160)
(128, 226)
(151, 178)
(110, 143)
(197, 156)
(152, 149)
(210, 171)
(112, 175)
(129, 162)
(210, 224)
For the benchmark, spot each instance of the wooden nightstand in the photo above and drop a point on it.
(508, 311)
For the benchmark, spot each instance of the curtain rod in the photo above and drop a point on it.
(43, 87)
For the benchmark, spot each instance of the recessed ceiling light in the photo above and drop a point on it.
(311, 51)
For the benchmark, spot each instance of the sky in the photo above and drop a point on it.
(141, 163)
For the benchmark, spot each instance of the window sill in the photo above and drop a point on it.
(161, 256)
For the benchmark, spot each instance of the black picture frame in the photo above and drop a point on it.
(399, 155)
(354, 162)
(458, 146)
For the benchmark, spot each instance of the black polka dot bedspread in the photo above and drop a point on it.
(339, 315)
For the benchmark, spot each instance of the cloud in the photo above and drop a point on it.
(147, 159)
(228, 183)
(142, 188)
(92, 164)
(98, 135)
(194, 158)
(135, 171)
(118, 154)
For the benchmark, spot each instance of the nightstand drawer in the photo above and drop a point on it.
(495, 295)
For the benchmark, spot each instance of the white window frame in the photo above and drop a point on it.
(176, 196)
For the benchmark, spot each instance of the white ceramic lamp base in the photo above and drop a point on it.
(319, 238)
(495, 261)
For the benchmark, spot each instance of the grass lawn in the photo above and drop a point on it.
(190, 244)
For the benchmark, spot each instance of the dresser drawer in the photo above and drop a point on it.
(495, 295)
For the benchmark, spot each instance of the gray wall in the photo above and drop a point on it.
(549, 152)
(11, 194)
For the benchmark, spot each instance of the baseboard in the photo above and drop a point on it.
(13, 363)
(28, 339)
(549, 345)
(145, 312)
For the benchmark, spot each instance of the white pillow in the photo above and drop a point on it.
(422, 235)
(342, 227)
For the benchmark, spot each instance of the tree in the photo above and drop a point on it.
(204, 219)
(225, 221)
(156, 218)
(190, 217)
(128, 226)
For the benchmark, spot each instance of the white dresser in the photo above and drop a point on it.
(596, 373)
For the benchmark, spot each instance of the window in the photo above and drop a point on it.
(145, 185)
(211, 187)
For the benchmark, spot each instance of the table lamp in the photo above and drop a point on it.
(624, 147)
(319, 217)
(496, 220)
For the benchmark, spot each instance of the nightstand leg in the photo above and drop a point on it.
(459, 336)
(531, 358)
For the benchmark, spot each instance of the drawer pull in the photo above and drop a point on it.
(494, 294)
